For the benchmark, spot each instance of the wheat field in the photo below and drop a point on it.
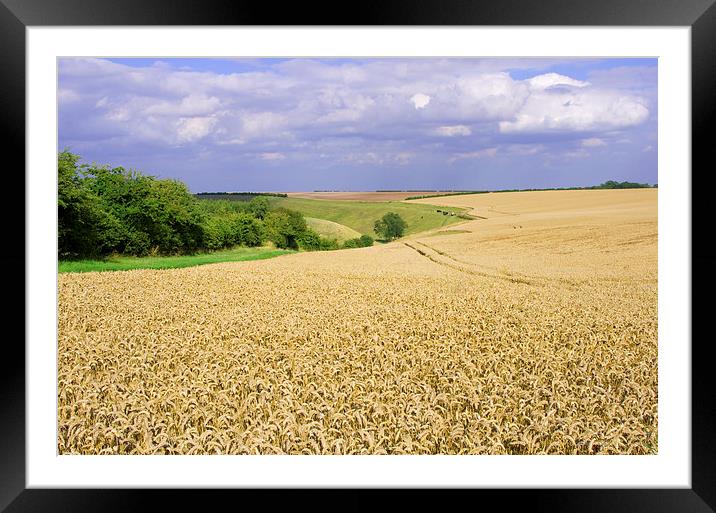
(529, 330)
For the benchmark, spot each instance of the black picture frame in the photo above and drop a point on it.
(700, 15)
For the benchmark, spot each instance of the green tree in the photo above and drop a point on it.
(156, 215)
(390, 226)
(259, 207)
(284, 227)
(248, 230)
(103, 210)
(309, 240)
(170, 216)
(217, 232)
(83, 227)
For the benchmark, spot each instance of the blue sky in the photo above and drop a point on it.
(364, 123)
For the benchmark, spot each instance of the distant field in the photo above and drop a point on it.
(360, 196)
(236, 196)
(331, 230)
(170, 262)
(361, 215)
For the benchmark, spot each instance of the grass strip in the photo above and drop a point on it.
(128, 263)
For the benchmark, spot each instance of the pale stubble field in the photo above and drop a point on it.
(531, 331)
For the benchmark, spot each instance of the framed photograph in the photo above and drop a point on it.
(442, 249)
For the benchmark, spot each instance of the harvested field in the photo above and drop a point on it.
(533, 332)
(359, 196)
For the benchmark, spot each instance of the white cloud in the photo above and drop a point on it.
(487, 152)
(576, 154)
(363, 158)
(403, 158)
(593, 142)
(193, 129)
(451, 131)
(119, 114)
(377, 112)
(67, 96)
(548, 80)
(191, 105)
(420, 100)
(577, 111)
(256, 124)
(374, 158)
(272, 156)
(236, 141)
(485, 97)
(525, 149)
(309, 94)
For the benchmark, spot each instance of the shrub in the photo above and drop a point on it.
(217, 232)
(284, 227)
(311, 241)
(137, 243)
(213, 207)
(366, 240)
(259, 207)
(103, 210)
(328, 244)
(80, 220)
(247, 229)
(362, 242)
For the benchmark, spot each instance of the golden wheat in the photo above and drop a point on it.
(533, 331)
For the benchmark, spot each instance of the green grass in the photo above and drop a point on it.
(331, 230)
(127, 263)
(361, 215)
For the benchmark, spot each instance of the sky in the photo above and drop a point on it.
(304, 124)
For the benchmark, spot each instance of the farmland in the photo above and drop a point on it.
(361, 215)
(531, 330)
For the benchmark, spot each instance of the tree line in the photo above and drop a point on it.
(106, 210)
(240, 196)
